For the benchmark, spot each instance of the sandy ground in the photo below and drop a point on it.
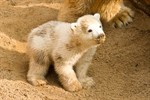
(120, 68)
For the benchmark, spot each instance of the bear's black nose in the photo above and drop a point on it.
(101, 36)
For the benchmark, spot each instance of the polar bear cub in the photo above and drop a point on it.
(69, 47)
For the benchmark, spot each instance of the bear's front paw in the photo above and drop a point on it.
(38, 82)
(87, 82)
(123, 18)
(73, 86)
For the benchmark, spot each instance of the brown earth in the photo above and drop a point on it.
(120, 68)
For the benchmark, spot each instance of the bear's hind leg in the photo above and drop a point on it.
(38, 68)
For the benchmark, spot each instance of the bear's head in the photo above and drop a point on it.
(90, 28)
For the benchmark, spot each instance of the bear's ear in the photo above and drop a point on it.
(97, 15)
(73, 26)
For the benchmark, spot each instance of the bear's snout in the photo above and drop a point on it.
(101, 38)
(102, 35)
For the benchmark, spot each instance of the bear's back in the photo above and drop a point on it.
(48, 35)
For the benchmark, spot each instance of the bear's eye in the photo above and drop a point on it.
(100, 26)
(89, 30)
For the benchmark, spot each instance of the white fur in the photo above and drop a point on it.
(66, 46)
(38, 42)
(97, 15)
(96, 30)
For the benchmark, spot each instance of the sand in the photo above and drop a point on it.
(120, 68)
